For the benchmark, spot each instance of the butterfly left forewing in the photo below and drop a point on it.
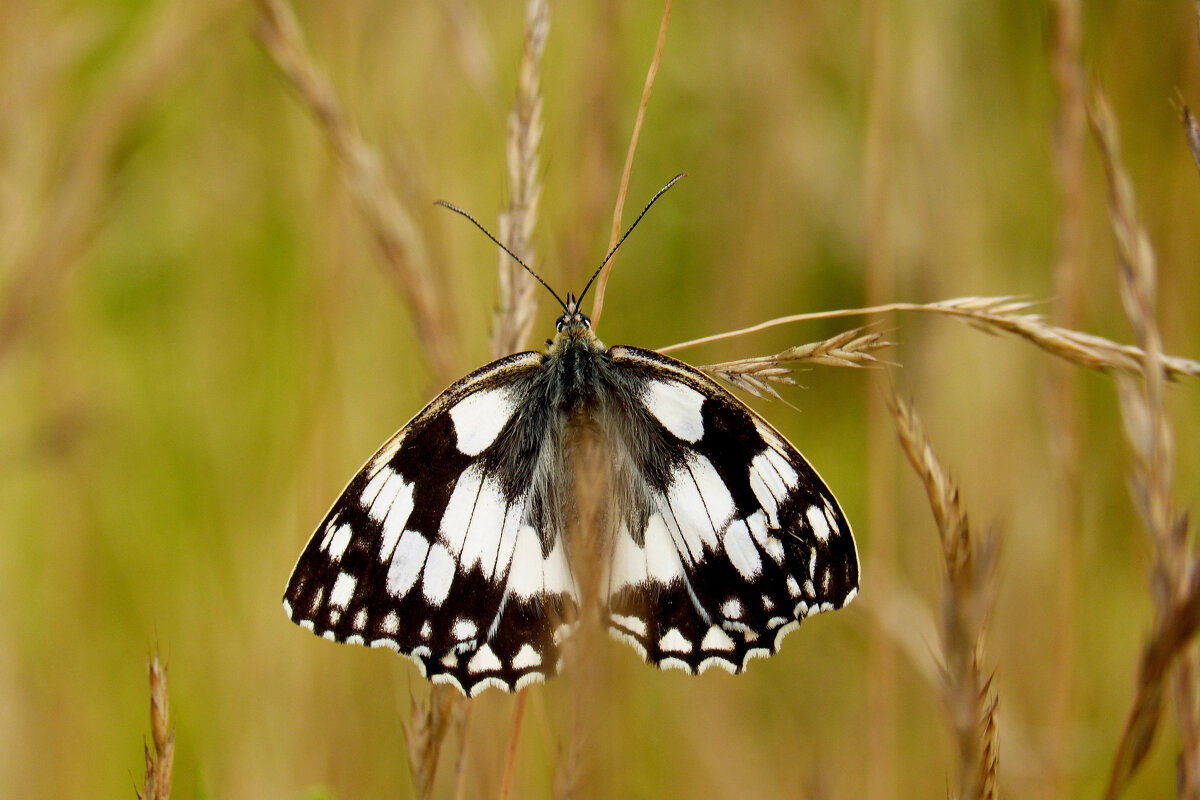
(434, 550)
(739, 539)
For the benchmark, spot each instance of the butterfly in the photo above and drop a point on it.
(582, 476)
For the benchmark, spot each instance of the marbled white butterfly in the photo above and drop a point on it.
(461, 543)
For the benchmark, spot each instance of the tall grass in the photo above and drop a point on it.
(198, 344)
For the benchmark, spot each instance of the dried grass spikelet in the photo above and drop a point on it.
(969, 695)
(1175, 585)
(159, 760)
(387, 216)
(1001, 314)
(851, 348)
(425, 732)
(1172, 636)
(517, 304)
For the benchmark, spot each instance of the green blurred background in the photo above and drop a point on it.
(200, 345)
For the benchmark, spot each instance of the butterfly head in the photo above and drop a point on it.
(573, 321)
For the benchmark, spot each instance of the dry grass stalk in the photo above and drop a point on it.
(643, 104)
(1173, 573)
(391, 223)
(429, 723)
(970, 569)
(998, 315)
(41, 252)
(1173, 634)
(517, 304)
(851, 348)
(510, 761)
(1191, 130)
(157, 784)
(1063, 409)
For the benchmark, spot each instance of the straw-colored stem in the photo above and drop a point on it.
(515, 311)
(160, 754)
(643, 104)
(967, 598)
(400, 240)
(1148, 431)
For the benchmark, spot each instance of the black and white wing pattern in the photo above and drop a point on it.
(436, 550)
(452, 545)
(739, 540)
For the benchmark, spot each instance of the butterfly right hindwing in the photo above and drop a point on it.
(436, 550)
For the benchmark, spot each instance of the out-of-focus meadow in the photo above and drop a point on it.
(201, 340)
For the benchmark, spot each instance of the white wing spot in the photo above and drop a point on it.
(662, 557)
(820, 525)
(479, 418)
(763, 494)
(388, 496)
(487, 523)
(360, 619)
(338, 542)
(674, 642)
(439, 574)
(388, 545)
(456, 518)
(809, 590)
(716, 639)
(677, 407)
(371, 490)
(850, 595)
(717, 499)
(464, 629)
(426, 630)
(335, 614)
(557, 572)
(792, 586)
(343, 590)
(629, 562)
(391, 623)
(317, 598)
(785, 470)
(833, 526)
(768, 604)
(526, 657)
(701, 501)
(740, 549)
(774, 549)
(484, 660)
(731, 608)
(407, 560)
(633, 624)
(525, 577)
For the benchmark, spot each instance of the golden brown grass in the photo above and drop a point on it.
(967, 598)
(967, 687)
(1170, 654)
(157, 783)
(99, 115)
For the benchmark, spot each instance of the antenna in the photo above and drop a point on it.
(628, 231)
(503, 247)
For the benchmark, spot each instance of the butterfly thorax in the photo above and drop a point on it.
(574, 355)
